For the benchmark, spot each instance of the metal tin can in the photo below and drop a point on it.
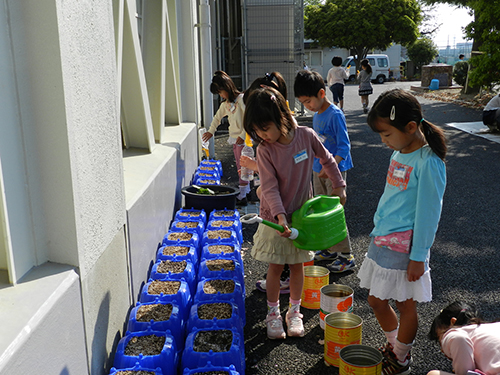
(342, 329)
(335, 298)
(360, 360)
(315, 277)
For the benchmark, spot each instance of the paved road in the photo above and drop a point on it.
(465, 258)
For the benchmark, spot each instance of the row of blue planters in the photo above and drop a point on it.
(184, 324)
(208, 172)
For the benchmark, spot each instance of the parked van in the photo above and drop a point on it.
(380, 65)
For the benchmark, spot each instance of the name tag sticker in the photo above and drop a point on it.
(301, 156)
(399, 172)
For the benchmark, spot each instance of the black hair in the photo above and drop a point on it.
(273, 79)
(336, 61)
(222, 81)
(367, 65)
(464, 314)
(399, 107)
(264, 106)
(308, 83)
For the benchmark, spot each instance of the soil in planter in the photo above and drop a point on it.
(156, 312)
(220, 249)
(187, 224)
(218, 285)
(214, 234)
(167, 266)
(182, 236)
(190, 213)
(140, 372)
(207, 168)
(177, 250)
(220, 264)
(224, 213)
(147, 345)
(212, 373)
(218, 310)
(218, 340)
(222, 223)
(165, 287)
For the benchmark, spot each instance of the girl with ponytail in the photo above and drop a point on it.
(397, 262)
(472, 345)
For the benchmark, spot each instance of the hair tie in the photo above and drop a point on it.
(392, 117)
(273, 98)
(421, 121)
(268, 77)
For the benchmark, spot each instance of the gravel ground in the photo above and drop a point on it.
(464, 257)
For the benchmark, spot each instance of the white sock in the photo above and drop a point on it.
(391, 336)
(401, 350)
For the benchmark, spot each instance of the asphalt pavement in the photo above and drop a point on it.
(464, 258)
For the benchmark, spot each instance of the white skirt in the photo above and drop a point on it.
(391, 283)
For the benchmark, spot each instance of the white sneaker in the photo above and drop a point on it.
(295, 327)
(274, 324)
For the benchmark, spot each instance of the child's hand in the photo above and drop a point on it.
(322, 173)
(340, 192)
(415, 270)
(284, 223)
(247, 162)
(206, 136)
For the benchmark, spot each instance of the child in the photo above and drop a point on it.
(234, 108)
(397, 263)
(472, 345)
(335, 80)
(329, 123)
(284, 158)
(365, 86)
(491, 114)
(276, 81)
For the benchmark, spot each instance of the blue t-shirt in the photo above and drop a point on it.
(412, 199)
(332, 130)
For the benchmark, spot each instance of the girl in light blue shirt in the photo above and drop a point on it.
(397, 263)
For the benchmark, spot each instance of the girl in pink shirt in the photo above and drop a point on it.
(285, 157)
(472, 345)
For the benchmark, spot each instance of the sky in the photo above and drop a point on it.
(453, 19)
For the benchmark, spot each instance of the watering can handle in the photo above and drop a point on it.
(273, 225)
(307, 205)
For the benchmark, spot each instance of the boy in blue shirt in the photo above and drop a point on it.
(330, 125)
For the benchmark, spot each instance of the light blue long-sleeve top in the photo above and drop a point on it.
(412, 199)
(332, 130)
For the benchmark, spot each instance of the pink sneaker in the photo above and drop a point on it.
(295, 327)
(274, 324)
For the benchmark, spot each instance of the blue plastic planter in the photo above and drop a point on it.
(226, 224)
(232, 236)
(191, 214)
(167, 360)
(174, 324)
(235, 320)
(237, 272)
(211, 163)
(206, 181)
(209, 369)
(202, 175)
(191, 255)
(192, 359)
(233, 251)
(224, 215)
(182, 298)
(236, 296)
(181, 226)
(170, 238)
(188, 275)
(136, 368)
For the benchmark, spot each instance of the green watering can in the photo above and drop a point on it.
(317, 225)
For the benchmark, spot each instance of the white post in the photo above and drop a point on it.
(206, 67)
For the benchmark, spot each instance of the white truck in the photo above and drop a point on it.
(380, 65)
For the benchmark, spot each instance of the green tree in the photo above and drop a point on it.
(363, 25)
(422, 52)
(485, 29)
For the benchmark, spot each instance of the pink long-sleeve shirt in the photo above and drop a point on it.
(473, 347)
(285, 172)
